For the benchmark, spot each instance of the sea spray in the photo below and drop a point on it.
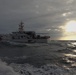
(6, 70)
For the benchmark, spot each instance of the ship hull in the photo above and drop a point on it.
(31, 41)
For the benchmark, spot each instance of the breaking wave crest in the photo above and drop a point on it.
(26, 69)
(6, 70)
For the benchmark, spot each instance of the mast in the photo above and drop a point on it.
(21, 27)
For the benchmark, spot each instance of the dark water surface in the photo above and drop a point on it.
(55, 53)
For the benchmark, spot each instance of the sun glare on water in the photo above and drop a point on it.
(70, 26)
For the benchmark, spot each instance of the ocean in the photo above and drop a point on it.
(54, 58)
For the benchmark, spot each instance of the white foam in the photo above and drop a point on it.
(26, 69)
(6, 70)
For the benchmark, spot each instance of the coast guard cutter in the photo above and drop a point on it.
(22, 36)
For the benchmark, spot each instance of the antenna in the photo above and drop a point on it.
(21, 26)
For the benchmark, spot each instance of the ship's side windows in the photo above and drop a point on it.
(0, 38)
(21, 36)
(18, 37)
(13, 37)
(38, 36)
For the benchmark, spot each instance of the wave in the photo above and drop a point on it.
(8, 43)
(48, 69)
(26, 69)
(6, 70)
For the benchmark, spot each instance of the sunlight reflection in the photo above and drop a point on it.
(73, 64)
(66, 37)
(70, 55)
(74, 50)
(69, 1)
(74, 43)
(48, 29)
(66, 14)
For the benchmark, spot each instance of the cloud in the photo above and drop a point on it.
(37, 15)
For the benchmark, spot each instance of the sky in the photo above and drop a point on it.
(42, 16)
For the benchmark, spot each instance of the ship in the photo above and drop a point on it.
(22, 36)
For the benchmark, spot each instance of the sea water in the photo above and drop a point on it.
(55, 58)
